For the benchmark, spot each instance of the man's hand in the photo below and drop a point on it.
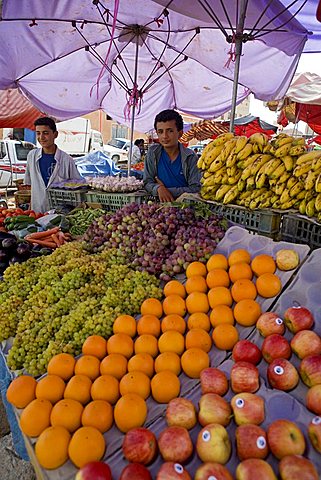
(163, 193)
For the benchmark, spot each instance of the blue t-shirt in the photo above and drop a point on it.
(47, 164)
(171, 172)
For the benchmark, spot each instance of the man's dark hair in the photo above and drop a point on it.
(167, 116)
(47, 121)
(138, 141)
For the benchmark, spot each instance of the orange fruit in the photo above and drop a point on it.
(125, 324)
(196, 283)
(149, 324)
(78, 388)
(105, 387)
(225, 336)
(199, 320)
(86, 445)
(217, 278)
(62, 365)
(51, 448)
(50, 387)
(114, 364)
(135, 382)
(219, 296)
(168, 361)
(174, 287)
(217, 260)
(67, 413)
(120, 343)
(240, 270)
(142, 362)
(21, 391)
(35, 418)
(263, 264)
(98, 414)
(193, 361)
(268, 285)
(247, 312)
(174, 304)
(198, 338)
(242, 289)
(221, 314)
(88, 365)
(173, 322)
(165, 386)
(130, 412)
(146, 344)
(197, 302)
(171, 341)
(151, 306)
(239, 255)
(95, 345)
(196, 268)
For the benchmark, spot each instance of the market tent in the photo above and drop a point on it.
(16, 111)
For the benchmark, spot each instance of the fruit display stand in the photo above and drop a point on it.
(301, 229)
(114, 201)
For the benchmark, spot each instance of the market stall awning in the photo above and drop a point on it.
(16, 111)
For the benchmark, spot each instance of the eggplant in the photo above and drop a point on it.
(23, 249)
(15, 259)
(3, 266)
(9, 243)
(36, 248)
(4, 235)
(3, 255)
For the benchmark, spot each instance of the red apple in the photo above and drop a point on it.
(313, 399)
(134, 471)
(310, 370)
(251, 442)
(181, 412)
(213, 380)
(298, 318)
(213, 444)
(244, 377)
(214, 409)
(248, 408)
(275, 346)
(254, 468)
(282, 374)
(246, 351)
(140, 446)
(295, 467)
(314, 431)
(305, 343)
(97, 470)
(172, 471)
(285, 438)
(175, 444)
(269, 323)
(211, 470)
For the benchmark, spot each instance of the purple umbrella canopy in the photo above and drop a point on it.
(71, 57)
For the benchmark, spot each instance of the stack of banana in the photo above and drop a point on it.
(257, 173)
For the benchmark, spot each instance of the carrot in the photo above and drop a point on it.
(61, 237)
(43, 243)
(56, 239)
(44, 234)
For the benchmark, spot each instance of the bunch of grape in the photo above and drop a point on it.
(160, 239)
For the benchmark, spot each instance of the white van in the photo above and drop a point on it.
(118, 149)
(77, 138)
(13, 161)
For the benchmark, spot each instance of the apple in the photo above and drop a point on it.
(211, 470)
(246, 351)
(275, 346)
(313, 399)
(282, 374)
(97, 470)
(298, 318)
(172, 471)
(295, 467)
(251, 442)
(244, 377)
(285, 438)
(305, 343)
(269, 323)
(175, 444)
(254, 468)
(181, 412)
(134, 471)
(314, 431)
(214, 409)
(139, 446)
(248, 408)
(213, 444)
(213, 380)
(310, 370)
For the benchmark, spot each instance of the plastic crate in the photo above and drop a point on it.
(58, 197)
(114, 201)
(301, 229)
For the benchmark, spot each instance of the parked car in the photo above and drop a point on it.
(118, 149)
(13, 161)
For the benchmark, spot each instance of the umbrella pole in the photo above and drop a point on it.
(133, 111)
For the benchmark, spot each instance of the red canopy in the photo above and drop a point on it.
(16, 111)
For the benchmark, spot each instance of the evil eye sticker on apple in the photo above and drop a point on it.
(239, 403)
(316, 420)
(278, 321)
(278, 370)
(261, 442)
(178, 468)
(206, 436)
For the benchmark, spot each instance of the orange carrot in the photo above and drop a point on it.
(43, 243)
(61, 237)
(56, 239)
(44, 234)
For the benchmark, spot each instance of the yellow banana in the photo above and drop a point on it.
(260, 179)
(206, 174)
(283, 151)
(234, 179)
(302, 206)
(287, 205)
(247, 172)
(310, 210)
(216, 164)
(285, 177)
(299, 141)
(285, 197)
(292, 181)
(241, 185)
(309, 182)
(227, 149)
(278, 172)
(241, 141)
(230, 196)
(280, 141)
(298, 150)
(221, 192)
(259, 138)
(200, 164)
(288, 162)
(209, 181)
(250, 160)
(279, 188)
(244, 195)
(231, 159)
(318, 184)
(212, 155)
(302, 168)
(308, 156)
(250, 183)
(272, 165)
(223, 138)
(316, 163)
(296, 189)
(317, 204)
(245, 152)
(301, 195)
(267, 148)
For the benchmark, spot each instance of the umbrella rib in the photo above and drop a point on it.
(259, 18)
(215, 18)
